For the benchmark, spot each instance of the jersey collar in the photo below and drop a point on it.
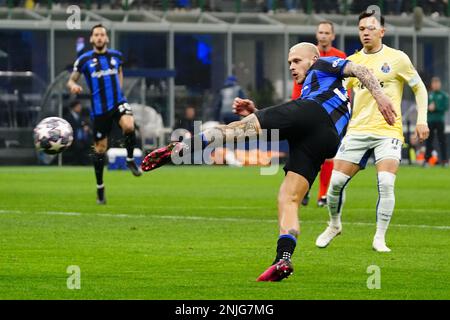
(369, 54)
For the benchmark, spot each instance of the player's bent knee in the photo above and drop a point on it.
(128, 129)
(338, 181)
(100, 148)
(288, 197)
(386, 183)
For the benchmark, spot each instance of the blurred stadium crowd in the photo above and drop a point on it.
(397, 7)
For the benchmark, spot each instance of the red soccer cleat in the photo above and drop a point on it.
(160, 157)
(277, 272)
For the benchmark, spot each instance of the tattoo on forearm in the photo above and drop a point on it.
(235, 131)
(366, 78)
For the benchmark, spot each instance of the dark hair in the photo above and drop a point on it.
(74, 103)
(366, 14)
(97, 26)
(327, 22)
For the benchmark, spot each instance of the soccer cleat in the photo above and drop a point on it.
(277, 272)
(161, 156)
(134, 168)
(305, 200)
(379, 245)
(101, 195)
(329, 234)
(322, 202)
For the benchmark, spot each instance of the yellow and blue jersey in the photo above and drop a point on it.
(393, 69)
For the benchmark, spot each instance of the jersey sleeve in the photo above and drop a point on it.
(120, 58)
(332, 65)
(78, 65)
(407, 72)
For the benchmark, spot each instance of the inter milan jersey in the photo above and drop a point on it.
(323, 84)
(101, 71)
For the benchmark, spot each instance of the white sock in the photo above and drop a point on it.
(336, 196)
(386, 202)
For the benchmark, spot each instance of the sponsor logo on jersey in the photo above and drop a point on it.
(102, 73)
(336, 62)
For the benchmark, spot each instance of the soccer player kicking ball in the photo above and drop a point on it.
(313, 127)
(102, 68)
(368, 132)
(325, 36)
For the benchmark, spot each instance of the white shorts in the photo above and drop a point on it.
(358, 148)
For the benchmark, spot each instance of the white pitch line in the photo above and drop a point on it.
(199, 218)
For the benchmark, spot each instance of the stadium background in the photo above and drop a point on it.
(201, 232)
(180, 52)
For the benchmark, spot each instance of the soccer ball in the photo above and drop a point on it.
(53, 135)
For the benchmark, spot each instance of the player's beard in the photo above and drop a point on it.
(100, 48)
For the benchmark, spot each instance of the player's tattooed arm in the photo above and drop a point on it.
(364, 75)
(72, 84)
(247, 127)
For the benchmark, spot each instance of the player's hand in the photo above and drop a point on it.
(387, 109)
(243, 107)
(75, 89)
(431, 107)
(422, 132)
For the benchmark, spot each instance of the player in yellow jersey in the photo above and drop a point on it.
(369, 133)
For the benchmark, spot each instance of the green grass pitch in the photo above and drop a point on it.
(203, 232)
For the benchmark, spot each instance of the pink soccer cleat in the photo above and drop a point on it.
(160, 157)
(277, 272)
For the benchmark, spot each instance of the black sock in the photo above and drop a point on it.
(285, 247)
(130, 143)
(99, 164)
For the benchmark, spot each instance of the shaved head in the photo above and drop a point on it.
(301, 57)
(306, 47)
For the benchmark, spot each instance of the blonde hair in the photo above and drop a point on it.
(307, 45)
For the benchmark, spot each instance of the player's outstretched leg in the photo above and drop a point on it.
(247, 127)
(335, 199)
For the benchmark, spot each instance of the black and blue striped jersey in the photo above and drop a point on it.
(101, 71)
(323, 84)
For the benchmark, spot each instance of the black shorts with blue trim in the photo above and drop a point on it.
(309, 130)
(102, 124)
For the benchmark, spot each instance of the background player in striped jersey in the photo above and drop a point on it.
(313, 126)
(102, 68)
(368, 133)
(325, 36)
